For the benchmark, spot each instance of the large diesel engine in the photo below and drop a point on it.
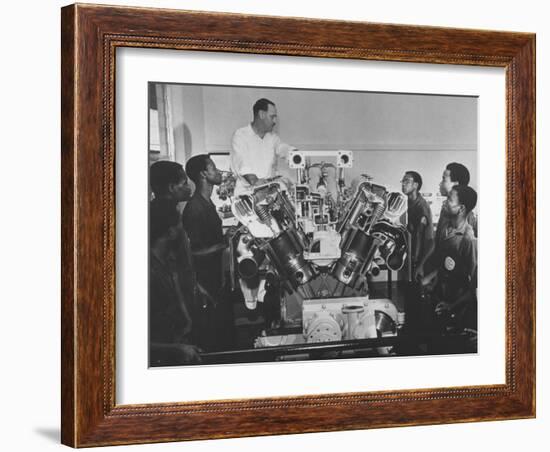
(308, 249)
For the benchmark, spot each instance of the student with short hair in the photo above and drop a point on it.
(203, 224)
(419, 222)
(204, 227)
(454, 174)
(170, 322)
(456, 260)
(169, 181)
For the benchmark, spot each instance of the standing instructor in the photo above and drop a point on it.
(255, 147)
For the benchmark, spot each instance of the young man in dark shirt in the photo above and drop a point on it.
(456, 261)
(454, 174)
(203, 224)
(419, 222)
(204, 227)
(170, 183)
(169, 318)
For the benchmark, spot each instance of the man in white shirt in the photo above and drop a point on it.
(256, 147)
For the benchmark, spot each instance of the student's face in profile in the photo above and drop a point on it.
(445, 185)
(212, 174)
(407, 184)
(182, 190)
(452, 204)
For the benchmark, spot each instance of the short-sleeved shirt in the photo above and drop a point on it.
(418, 215)
(252, 154)
(456, 260)
(204, 228)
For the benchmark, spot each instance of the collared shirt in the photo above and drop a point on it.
(456, 258)
(254, 155)
(204, 227)
(419, 215)
(444, 220)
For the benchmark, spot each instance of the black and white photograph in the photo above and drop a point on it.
(296, 224)
(255, 226)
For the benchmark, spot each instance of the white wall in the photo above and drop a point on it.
(30, 288)
(389, 133)
(337, 119)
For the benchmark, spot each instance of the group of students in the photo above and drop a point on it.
(444, 260)
(187, 307)
(186, 312)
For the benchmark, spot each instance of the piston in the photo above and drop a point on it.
(358, 252)
(286, 254)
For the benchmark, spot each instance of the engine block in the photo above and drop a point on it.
(317, 241)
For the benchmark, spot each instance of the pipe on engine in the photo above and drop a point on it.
(249, 264)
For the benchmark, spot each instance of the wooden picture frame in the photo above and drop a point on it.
(90, 36)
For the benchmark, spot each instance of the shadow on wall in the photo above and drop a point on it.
(51, 433)
(187, 141)
(183, 143)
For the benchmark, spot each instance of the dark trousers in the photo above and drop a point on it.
(214, 323)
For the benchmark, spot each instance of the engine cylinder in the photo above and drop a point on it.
(357, 253)
(286, 254)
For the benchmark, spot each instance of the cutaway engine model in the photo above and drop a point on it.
(308, 249)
